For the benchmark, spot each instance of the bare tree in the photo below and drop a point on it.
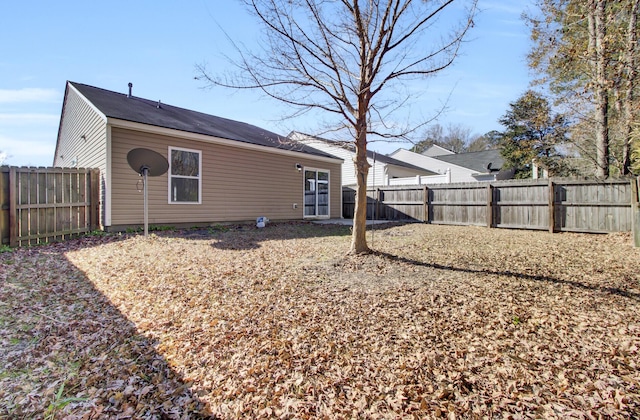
(597, 48)
(349, 59)
(456, 137)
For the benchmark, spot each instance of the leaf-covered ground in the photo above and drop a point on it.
(442, 321)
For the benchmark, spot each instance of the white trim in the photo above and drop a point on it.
(91, 105)
(216, 140)
(328, 172)
(169, 175)
(107, 181)
(341, 202)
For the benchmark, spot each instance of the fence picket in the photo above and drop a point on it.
(47, 204)
(555, 205)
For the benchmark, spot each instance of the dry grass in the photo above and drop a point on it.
(441, 321)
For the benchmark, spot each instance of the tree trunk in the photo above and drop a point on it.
(359, 234)
(631, 74)
(597, 34)
(361, 126)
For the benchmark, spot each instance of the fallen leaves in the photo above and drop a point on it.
(441, 321)
(67, 352)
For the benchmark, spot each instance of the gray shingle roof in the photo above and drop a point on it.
(477, 161)
(379, 157)
(120, 106)
(392, 161)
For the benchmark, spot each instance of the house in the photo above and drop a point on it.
(220, 170)
(486, 164)
(435, 150)
(383, 168)
(462, 167)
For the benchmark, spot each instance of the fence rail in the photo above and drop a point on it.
(555, 205)
(41, 205)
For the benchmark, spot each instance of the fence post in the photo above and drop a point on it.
(552, 206)
(4, 205)
(489, 206)
(425, 204)
(13, 208)
(376, 215)
(94, 205)
(635, 211)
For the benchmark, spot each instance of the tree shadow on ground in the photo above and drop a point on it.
(237, 237)
(67, 351)
(548, 279)
(253, 237)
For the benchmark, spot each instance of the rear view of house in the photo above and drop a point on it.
(383, 168)
(220, 170)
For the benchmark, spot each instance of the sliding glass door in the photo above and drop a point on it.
(316, 193)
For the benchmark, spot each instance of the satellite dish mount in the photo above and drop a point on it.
(147, 163)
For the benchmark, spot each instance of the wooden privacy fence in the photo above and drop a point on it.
(554, 205)
(46, 204)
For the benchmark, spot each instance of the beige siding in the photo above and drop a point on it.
(82, 139)
(80, 119)
(237, 184)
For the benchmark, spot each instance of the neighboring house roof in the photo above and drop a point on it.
(458, 173)
(379, 157)
(435, 150)
(486, 161)
(139, 110)
(393, 161)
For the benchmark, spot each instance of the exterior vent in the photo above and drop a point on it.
(130, 88)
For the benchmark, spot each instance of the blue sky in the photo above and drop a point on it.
(157, 44)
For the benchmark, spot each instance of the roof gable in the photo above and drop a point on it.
(154, 113)
(348, 146)
(485, 161)
(435, 150)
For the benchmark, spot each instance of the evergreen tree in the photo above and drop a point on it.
(587, 54)
(533, 134)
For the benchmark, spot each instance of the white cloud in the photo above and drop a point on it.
(493, 91)
(28, 130)
(28, 95)
(35, 151)
(28, 119)
(512, 8)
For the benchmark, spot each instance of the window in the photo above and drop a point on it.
(185, 168)
(316, 193)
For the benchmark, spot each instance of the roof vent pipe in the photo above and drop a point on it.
(159, 103)
(130, 87)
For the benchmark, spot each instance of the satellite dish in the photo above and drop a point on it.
(505, 174)
(147, 163)
(154, 162)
